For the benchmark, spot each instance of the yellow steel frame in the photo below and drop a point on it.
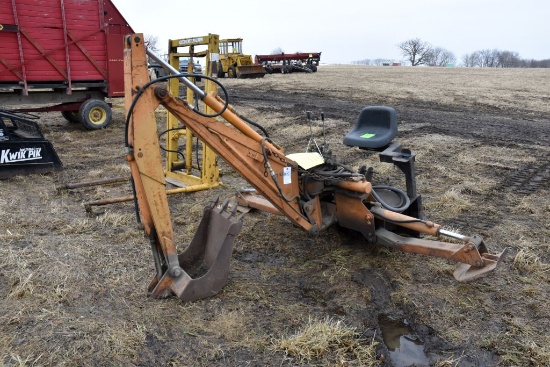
(209, 171)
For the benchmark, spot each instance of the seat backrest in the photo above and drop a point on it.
(376, 127)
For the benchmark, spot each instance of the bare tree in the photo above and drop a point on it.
(432, 57)
(488, 58)
(482, 59)
(466, 60)
(438, 56)
(151, 42)
(538, 63)
(362, 62)
(509, 59)
(416, 51)
(501, 59)
(472, 60)
(277, 51)
(448, 58)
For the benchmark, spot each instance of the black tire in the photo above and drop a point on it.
(268, 70)
(221, 73)
(231, 72)
(313, 67)
(95, 114)
(71, 116)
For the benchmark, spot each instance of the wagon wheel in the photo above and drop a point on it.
(95, 114)
(71, 116)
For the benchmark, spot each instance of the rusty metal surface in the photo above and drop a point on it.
(475, 261)
(106, 181)
(467, 272)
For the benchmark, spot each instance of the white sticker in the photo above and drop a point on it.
(287, 179)
(191, 40)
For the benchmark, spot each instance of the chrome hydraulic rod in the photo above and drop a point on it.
(454, 235)
(172, 70)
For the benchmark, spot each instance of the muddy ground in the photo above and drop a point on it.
(73, 284)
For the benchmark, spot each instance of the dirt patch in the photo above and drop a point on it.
(73, 286)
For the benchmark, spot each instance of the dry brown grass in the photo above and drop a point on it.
(448, 362)
(330, 341)
(517, 346)
(526, 261)
(73, 286)
(453, 87)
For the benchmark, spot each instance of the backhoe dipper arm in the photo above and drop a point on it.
(146, 168)
(202, 269)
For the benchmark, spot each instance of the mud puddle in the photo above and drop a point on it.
(404, 346)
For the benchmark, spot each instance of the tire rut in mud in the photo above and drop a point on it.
(508, 127)
(530, 178)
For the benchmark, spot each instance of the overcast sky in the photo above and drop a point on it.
(349, 30)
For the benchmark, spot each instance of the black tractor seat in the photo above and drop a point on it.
(375, 128)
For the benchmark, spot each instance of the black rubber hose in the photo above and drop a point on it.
(147, 85)
(255, 124)
(169, 150)
(405, 201)
(136, 204)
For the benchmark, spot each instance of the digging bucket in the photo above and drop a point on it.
(204, 265)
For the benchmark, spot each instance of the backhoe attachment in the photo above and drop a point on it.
(312, 189)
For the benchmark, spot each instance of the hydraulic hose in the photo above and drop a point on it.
(405, 201)
(147, 85)
(263, 129)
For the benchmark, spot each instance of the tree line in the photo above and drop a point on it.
(418, 52)
(501, 59)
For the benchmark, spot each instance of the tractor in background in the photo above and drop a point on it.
(234, 63)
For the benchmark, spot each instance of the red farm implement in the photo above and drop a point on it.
(63, 55)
